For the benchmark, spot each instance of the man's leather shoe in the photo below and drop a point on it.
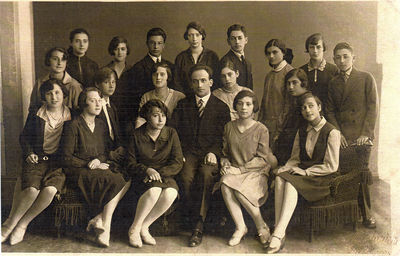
(370, 223)
(196, 238)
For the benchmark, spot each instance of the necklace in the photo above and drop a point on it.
(89, 124)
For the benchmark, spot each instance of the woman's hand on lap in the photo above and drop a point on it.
(32, 159)
(153, 174)
(94, 164)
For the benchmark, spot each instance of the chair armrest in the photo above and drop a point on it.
(345, 181)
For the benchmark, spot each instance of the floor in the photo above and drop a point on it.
(333, 241)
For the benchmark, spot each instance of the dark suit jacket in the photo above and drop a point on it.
(353, 106)
(245, 75)
(139, 82)
(201, 135)
(113, 115)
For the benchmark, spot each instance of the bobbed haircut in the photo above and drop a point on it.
(195, 25)
(300, 74)
(78, 31)
(201, 67)
(48, 85)
(156, 32)
(314, 39)
(229, 64)
(146, 109)
(103, 74)
(115, 42)
(50, 52)
(83, 97)
(162, 65)
(308, 95)
(246, 93)
(343, 45)
(236, 27)
(277, 43)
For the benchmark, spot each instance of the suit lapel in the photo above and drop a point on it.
(350, 84)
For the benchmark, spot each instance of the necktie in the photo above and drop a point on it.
(108, 115)
(242, 58)
(200, 106)
(344, 75)
(158, 60)
(80, 71)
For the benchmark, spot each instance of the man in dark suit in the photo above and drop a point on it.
(237, 39)
(200, 120)
(139, 76)
(352, 107)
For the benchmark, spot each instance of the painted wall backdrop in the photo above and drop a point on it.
(293, 22)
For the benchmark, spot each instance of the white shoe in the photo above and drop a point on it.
(237, 237)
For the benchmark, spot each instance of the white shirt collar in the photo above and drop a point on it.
(321, 66)
(280, 66)
(318, 126)
(106, 101)
(205, 98)
(154, 58)
(238, 54)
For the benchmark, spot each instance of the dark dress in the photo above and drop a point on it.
(312, 188)
(47, 172)
(164, 155)
(184, 61)
(81, 68)
(80, 146)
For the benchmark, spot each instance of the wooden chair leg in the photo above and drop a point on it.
(311, 231)
(355, 226)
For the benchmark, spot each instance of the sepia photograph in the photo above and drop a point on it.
(200, 127)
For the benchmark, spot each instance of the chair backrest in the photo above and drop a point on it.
(354, 157)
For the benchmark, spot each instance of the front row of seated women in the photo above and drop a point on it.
(154, 156)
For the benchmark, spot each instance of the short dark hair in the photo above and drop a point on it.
(288, 55)
(115, 42)
(50, 52)
(314, 39)
(195, 25)
(78, 31)
(307, 95)
(228, 64)
(162, 65)
(156, 32)
(246, 93)
(83, 97)
(103, 74)
(146, 109)
(201, 67)
(343, 45)
(276, 42)
(236, 27)
(300, 74)
(48, 85)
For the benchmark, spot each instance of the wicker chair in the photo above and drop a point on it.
(341, 206)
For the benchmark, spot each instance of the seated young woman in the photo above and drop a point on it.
(161, 76)
(154, 158)
(42, 176)
(245, 165)
(87, 167)
(228, 77)
(296, 84)
(310, 169)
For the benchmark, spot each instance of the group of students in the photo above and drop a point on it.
(103, 131)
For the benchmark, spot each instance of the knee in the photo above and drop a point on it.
(153, 193)
(31, 191)
(50, 190)
(170, 193)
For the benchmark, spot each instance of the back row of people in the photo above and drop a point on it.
(200, 119)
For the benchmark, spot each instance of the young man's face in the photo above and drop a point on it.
(80, 44)
(107, 87)
(237, 40)
(316, 51)
(201, 83)
(344, 59)
(156, 45)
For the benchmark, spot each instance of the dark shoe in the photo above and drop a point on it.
(196, 238)
(370, 223)
(271, 250)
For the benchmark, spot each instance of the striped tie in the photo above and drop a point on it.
(200, 106)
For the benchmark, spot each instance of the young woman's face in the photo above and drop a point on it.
(245, 107)
(80, 44)
(120, 52)
(107, 87)
(274, 55)
(294, 87)
(156, 45)
(195, 38)
(57, 62)
(228, 77)
(156, 119)
(54, 98)
(93, 102)
(310, 110)
(316, 51)
(160, 77)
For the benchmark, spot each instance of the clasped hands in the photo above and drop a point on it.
(291, 170)
(96, 164)
(227, 168)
